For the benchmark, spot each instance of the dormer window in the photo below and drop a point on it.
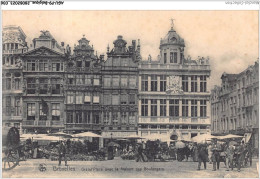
(87, 64)
(173, 39)
(79, 63)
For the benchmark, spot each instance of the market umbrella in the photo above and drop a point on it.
(230, 136)
(154, 137)
(134, 137)
(34, 136)
(179, 144)
(203, 138)
(113, 144)
(60, 134)
(86, 134)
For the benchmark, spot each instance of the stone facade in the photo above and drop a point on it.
(173, 92)
(14, 45)
(235, 104)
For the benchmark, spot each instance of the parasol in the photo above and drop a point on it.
(203, 138)
(60, 134)
(86, 134)
(179, 144)
(113, 144)
(230, 136)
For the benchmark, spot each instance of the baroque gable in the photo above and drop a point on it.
(43, 51)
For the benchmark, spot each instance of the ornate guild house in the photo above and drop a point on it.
(49, 87)
(173, 93)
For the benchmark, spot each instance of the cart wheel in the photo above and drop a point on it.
(10, 159)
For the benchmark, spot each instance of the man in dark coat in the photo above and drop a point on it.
(239, 155)
(215, 154)
(202, 155)
(62, 153)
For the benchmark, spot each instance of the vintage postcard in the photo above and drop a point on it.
(139, 94)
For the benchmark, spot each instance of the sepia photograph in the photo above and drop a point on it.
(130, 94)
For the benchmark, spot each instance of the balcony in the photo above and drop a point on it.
(174, 67)
(42, 123)
(171, 120)
(15, 51)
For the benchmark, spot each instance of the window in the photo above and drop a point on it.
(56, 67)
(132, 99)
(162, 107)
(87, 98)
(165, 57)
(8, 105)
(8, 83)
(43, 116)
(185, 108)
(132, 118)
(87, 117)
(31, 85)
(203, 83)
(31, 65)
(123, 118)
(203, 108)
(17, 84)
(87, 64)
(55, 84)
(153, 107)
(144, 107)
(107, 81)
(193, 108)
(171, 57)
(124, 99)
(43, 65)
(162, 83)
(115, 100)
(193, 83)
(132, 81)
(144, 85)
(43, 85)
(95, 98)
(95, 117)
(79, 98)
(181, 59)
(96, 80)
(78, 117)
(30, 111)
(17, 107)
(115, 118)
(174, 107)
(69, 117)
(106, 117)
(107, 99)
(115, 81)
(123, 81)
(175, 57)
(79, 63)
(55, 111)
(153, 82)
(71, 79)
(88, 80)
(79, 79)
(70, 97)
(185, 83)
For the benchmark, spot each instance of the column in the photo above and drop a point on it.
(110, 118)
(158, 82)
(149, 82)
(189, 84)
(180, 107)
(189, 108)
(149, 107)
(198, 108)
(140, 107)
(167, 108)
(158, 107)
(167, 81)
(140, 83)
(91, 117)
(208, 108)
(198, 83)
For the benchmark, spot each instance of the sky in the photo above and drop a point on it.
(229, 38)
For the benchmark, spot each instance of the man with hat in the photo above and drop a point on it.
(229, 152)
(239, 155)
(215, 154)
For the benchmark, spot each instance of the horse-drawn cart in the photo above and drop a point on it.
(11, 148)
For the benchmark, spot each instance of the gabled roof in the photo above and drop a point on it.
(43, 51)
